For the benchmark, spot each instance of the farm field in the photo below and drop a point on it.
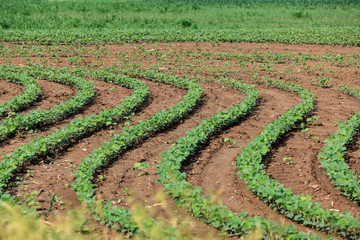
(187, 130)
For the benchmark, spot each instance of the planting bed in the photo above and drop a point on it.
(234, 112)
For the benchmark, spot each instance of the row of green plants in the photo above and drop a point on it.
(75, 130)
(122, 218)
(345, 59)
(319, 35)
(333, 154)
(343, 224)
(299, 208)
(53, 53)
(346, 229)
(113, 216)
(266, 81)
(32, 92)
(201, 206)
(38, 117)
(43, 148)
(306, 58)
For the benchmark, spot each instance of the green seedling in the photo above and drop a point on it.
(288, 160)
(315, 139)
(141, 165)
(126, 191)
(30, 200)
(313, 120)
(29, 173)
(322, 82)
(306, 133)
(54, 200)
(229, 142)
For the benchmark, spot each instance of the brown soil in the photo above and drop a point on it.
(56, 178)
(52, 94)
(292, 161)
(9, 90)
(106, 97)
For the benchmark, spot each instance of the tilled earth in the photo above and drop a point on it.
(293, 161)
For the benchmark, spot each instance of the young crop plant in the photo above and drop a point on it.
(218, 49)
(322, 82)
(288, 160)
(141, 165)
(324, 36)
(75, 130)
(121, 218)
(191, 199)
(38, 117)
(332, 157)
(296, 207)
(32, 91)
(229, 142)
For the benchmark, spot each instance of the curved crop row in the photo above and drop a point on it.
(332, 155)
(38, 117)
(32, 91)
(296, 207)
(76, 129)
(201, 206)
(84, 187)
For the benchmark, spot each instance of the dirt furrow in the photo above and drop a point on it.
(8, 90)
(294, 161)
(52, 175)
(214, 167)
(52, 94)
(120, 177)
(107, 96)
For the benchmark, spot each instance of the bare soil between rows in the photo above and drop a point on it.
(213, 166)
(9, 90)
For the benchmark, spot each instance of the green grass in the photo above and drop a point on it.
(93, 21)
(32, 15)
(269, 2)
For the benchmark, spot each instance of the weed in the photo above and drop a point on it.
(288, 160)
(229, 142)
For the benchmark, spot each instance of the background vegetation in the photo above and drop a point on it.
(289, 20)
(196, 14)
